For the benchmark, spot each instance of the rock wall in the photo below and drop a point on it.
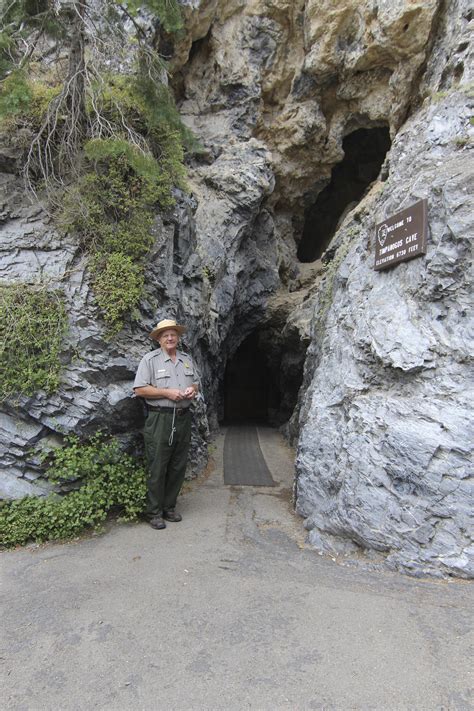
(385, 452)
(271, 88)
(400, 477)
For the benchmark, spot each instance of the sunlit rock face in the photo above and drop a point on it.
(316, 121)
(385, 449)
(300, 76)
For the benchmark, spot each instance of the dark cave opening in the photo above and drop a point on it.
(364, 154)
(262, 379)
(249, 390)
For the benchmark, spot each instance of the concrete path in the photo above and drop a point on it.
(226, 610)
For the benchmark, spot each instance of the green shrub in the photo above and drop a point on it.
(113, 209)
(42, 94)
(118, 285)
(6, 47)
(24, 101)
(111, 480)
(32, 326)
(166, 130)
(126, 178)
(15, 94)
(147, 107)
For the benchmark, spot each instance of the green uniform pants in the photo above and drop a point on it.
(166, 462)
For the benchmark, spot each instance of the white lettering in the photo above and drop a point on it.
(395, 226)
(411, 238)
(391, 247)
(384, 260)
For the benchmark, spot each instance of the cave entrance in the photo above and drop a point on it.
(364, 153)
(250, 393)
(263, 377)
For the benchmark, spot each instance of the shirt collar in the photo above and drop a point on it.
(179, 355)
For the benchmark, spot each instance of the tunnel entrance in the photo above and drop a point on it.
(364, 153)
(249, 390)
(263, 377)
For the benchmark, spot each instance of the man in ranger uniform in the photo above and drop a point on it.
(167, 379)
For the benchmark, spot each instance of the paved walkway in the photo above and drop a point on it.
(226, 610)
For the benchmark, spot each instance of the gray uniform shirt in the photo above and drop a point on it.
(157, 368)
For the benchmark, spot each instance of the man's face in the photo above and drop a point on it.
(168, 339)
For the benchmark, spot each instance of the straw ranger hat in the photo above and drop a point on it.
(164, 325)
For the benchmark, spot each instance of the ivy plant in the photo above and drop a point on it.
(111, 480)
(33, 322)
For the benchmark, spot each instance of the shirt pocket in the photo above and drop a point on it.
(189, 375)
(161, 378)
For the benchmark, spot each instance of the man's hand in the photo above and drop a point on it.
(174, 394)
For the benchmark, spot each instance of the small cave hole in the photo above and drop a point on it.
(201, 47)
(364, 154)
(459, 70)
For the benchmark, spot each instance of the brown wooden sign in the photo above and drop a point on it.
(402, 236)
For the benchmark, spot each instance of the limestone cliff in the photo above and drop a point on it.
(317, 121)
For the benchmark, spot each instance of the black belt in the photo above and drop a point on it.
(179, 410)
